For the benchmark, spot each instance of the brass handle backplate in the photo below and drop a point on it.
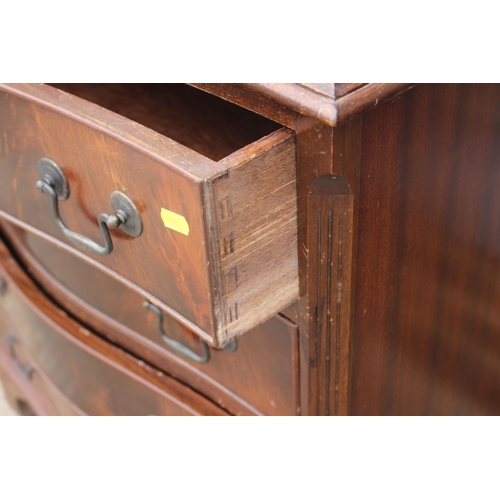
(124, 212)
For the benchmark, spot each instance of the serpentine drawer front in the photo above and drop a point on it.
(29, 389)
(96, 377)
(255, 374)
(205, 231)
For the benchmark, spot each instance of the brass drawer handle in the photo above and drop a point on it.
(125, 214)
(26, 370)
(177, 346)
(180, 347)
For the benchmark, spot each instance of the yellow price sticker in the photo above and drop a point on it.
(174, 221)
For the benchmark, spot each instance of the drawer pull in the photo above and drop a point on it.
(26, 370)
(125, 214)
(176, 345)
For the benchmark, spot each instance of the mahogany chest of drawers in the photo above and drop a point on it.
(250, 249)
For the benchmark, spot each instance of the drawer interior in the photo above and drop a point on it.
(204, 123)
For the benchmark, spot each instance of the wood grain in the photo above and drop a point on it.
(38, 390)
(324, 151)
(329, 104)
(20, 393)
(97, 377)
(342, 89)
(100, 152)
(417, 173)
(254, 236)
(425, 332)
(304, 100)
(334, 90)
(329, 236)
(261, 377)
(368, 97)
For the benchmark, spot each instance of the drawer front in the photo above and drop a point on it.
(20, 392)
(18, 397)
(216, 236)
(38, 393)
(96, 377)
(261, 376)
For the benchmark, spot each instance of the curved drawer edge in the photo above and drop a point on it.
(52, 396)
(89, 260)
(85, 340)
(124, 336)
(158, 147)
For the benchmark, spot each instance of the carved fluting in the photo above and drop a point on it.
(330, 237)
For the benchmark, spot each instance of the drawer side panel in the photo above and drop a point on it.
(255, 234)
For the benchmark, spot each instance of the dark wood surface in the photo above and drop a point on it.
(330, 228)
(97, 377)
(185, 275)
(333, 90)
(423, 171)
(204, 123)
(325, 270)
(37, 391)
(95, 165)
(20, 393)
(427, 293)
(329, 104)
(342, 89)
(405, 322)
(261, 377)
(247, 98)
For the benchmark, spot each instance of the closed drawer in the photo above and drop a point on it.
(98, 379)
(30, 390)
(17, 392)
(20, 391)
(218, 248)
(259, 377)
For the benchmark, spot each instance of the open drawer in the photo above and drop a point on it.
(207, 227)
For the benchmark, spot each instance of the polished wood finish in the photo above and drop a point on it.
(426, 319)
(329, 104)
(97, 377)
(261, 377)
(36, 392)
(325, 284)
(398, 248)
(231, 272)
(20, 393)
(342, 89)
(330, 227)
(23, 404)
